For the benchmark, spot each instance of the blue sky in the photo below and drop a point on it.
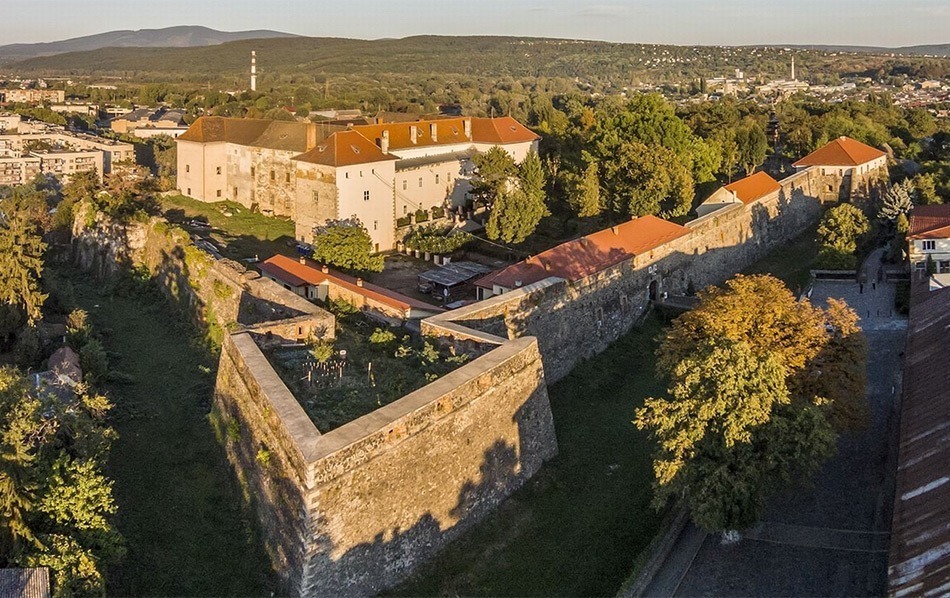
(687, 22)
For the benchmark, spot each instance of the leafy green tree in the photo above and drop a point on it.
(840, 230)
(21, 256)
(640, 180)
(752, 146)
(748, 408)
(925, 188)
(347, 245)
(514, 216)
(584, 193)
(494, 169)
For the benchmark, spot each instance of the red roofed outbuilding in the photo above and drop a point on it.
(929, 237)
(844, 156)
(744, 191)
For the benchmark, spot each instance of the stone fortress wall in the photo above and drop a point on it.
(576, 320)
(355, 510)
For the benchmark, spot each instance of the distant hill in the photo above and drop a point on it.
(169, 37)
(925, 50)
(604, 65)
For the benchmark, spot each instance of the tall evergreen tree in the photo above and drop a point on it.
(21, 256)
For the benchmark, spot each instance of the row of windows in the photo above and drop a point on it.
(928, 245)
(405, 182)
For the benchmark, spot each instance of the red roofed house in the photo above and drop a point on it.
(745, 191)
(313, 281)
(844, 157)
(586, 256)
(313, 172)
(929, 238)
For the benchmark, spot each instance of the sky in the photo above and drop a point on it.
(684, 22)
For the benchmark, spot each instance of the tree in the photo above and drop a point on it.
(896, 201)
(347, 245)
(584, 193)
(759, 383)
(752, 146)
(925, 188)
(514, 217)
(21, 256)
(840, 230)
(494, 169)
(639, 180)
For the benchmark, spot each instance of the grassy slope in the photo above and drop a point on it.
(245, 233)
(179, 504)
(576, 528)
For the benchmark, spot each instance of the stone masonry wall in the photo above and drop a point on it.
(576, 320)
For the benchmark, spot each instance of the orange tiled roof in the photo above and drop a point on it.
(501, 130)
(344, 148)
(930, 222)
(843, 151)
(297, 274)
(587, 255)
(447, 131)
(257, 132)
(753, 187)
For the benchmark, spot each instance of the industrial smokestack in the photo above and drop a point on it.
(253, 70)
(793, 68)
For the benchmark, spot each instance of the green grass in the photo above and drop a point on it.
(179, 503)
(244, 233)
(792, 263)
(579, 524)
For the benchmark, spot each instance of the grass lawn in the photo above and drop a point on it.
(179, 503)
(792, 263)
(576, 528)
(242, 234)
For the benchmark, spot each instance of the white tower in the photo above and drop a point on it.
(793, 69)
(254, 70)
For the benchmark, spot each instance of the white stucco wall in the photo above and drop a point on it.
(377, 213)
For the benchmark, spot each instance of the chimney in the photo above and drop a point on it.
(325, 269)
(384, 142)
(253, 70)
(311, 136)
(413, 133)
(615, 230)
(517, 284)
(303, 260)
(467, 124)
(434, 131)
(359, 282)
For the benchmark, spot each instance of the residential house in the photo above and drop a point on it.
(746, 191)
(929, 238)
(148, 118)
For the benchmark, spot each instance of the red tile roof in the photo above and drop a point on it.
(501, 130)
(930, 222)
(919, 563)
(448, 131)
(344, 148)
(753, 187)
(298, 274)
(585, 256)
(843, 151)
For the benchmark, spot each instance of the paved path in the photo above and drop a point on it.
(830, 538)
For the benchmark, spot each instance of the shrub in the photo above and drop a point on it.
(422, 216)
(436, 239)
(322, 351)
(382, 337)
(94, 361)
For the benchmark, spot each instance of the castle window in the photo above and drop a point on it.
(365, 195)
(405, 210)
(436, 179)
(252, 171)
(218, 193)
(188, 192)
(929, 245)
(287, 177)
(187, 167)
(361, 174)
(420, 181)
(375, 223)
(235, 192)
(347, 175)
(405, 185)
(217, 170)
(273, 175)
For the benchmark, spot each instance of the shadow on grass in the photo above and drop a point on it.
(577, 527)
(179, 504)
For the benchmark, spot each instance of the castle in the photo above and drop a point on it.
(384, 174)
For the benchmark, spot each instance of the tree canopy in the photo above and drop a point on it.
(759, 385)
(839, 232)
(516, 212)
(347, 245)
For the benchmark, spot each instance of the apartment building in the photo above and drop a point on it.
(379, 173)
(33, 96)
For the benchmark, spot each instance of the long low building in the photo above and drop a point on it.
(312, 173)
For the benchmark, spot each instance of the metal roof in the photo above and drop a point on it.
(919, 563)
(454, 273)
(24, 583)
